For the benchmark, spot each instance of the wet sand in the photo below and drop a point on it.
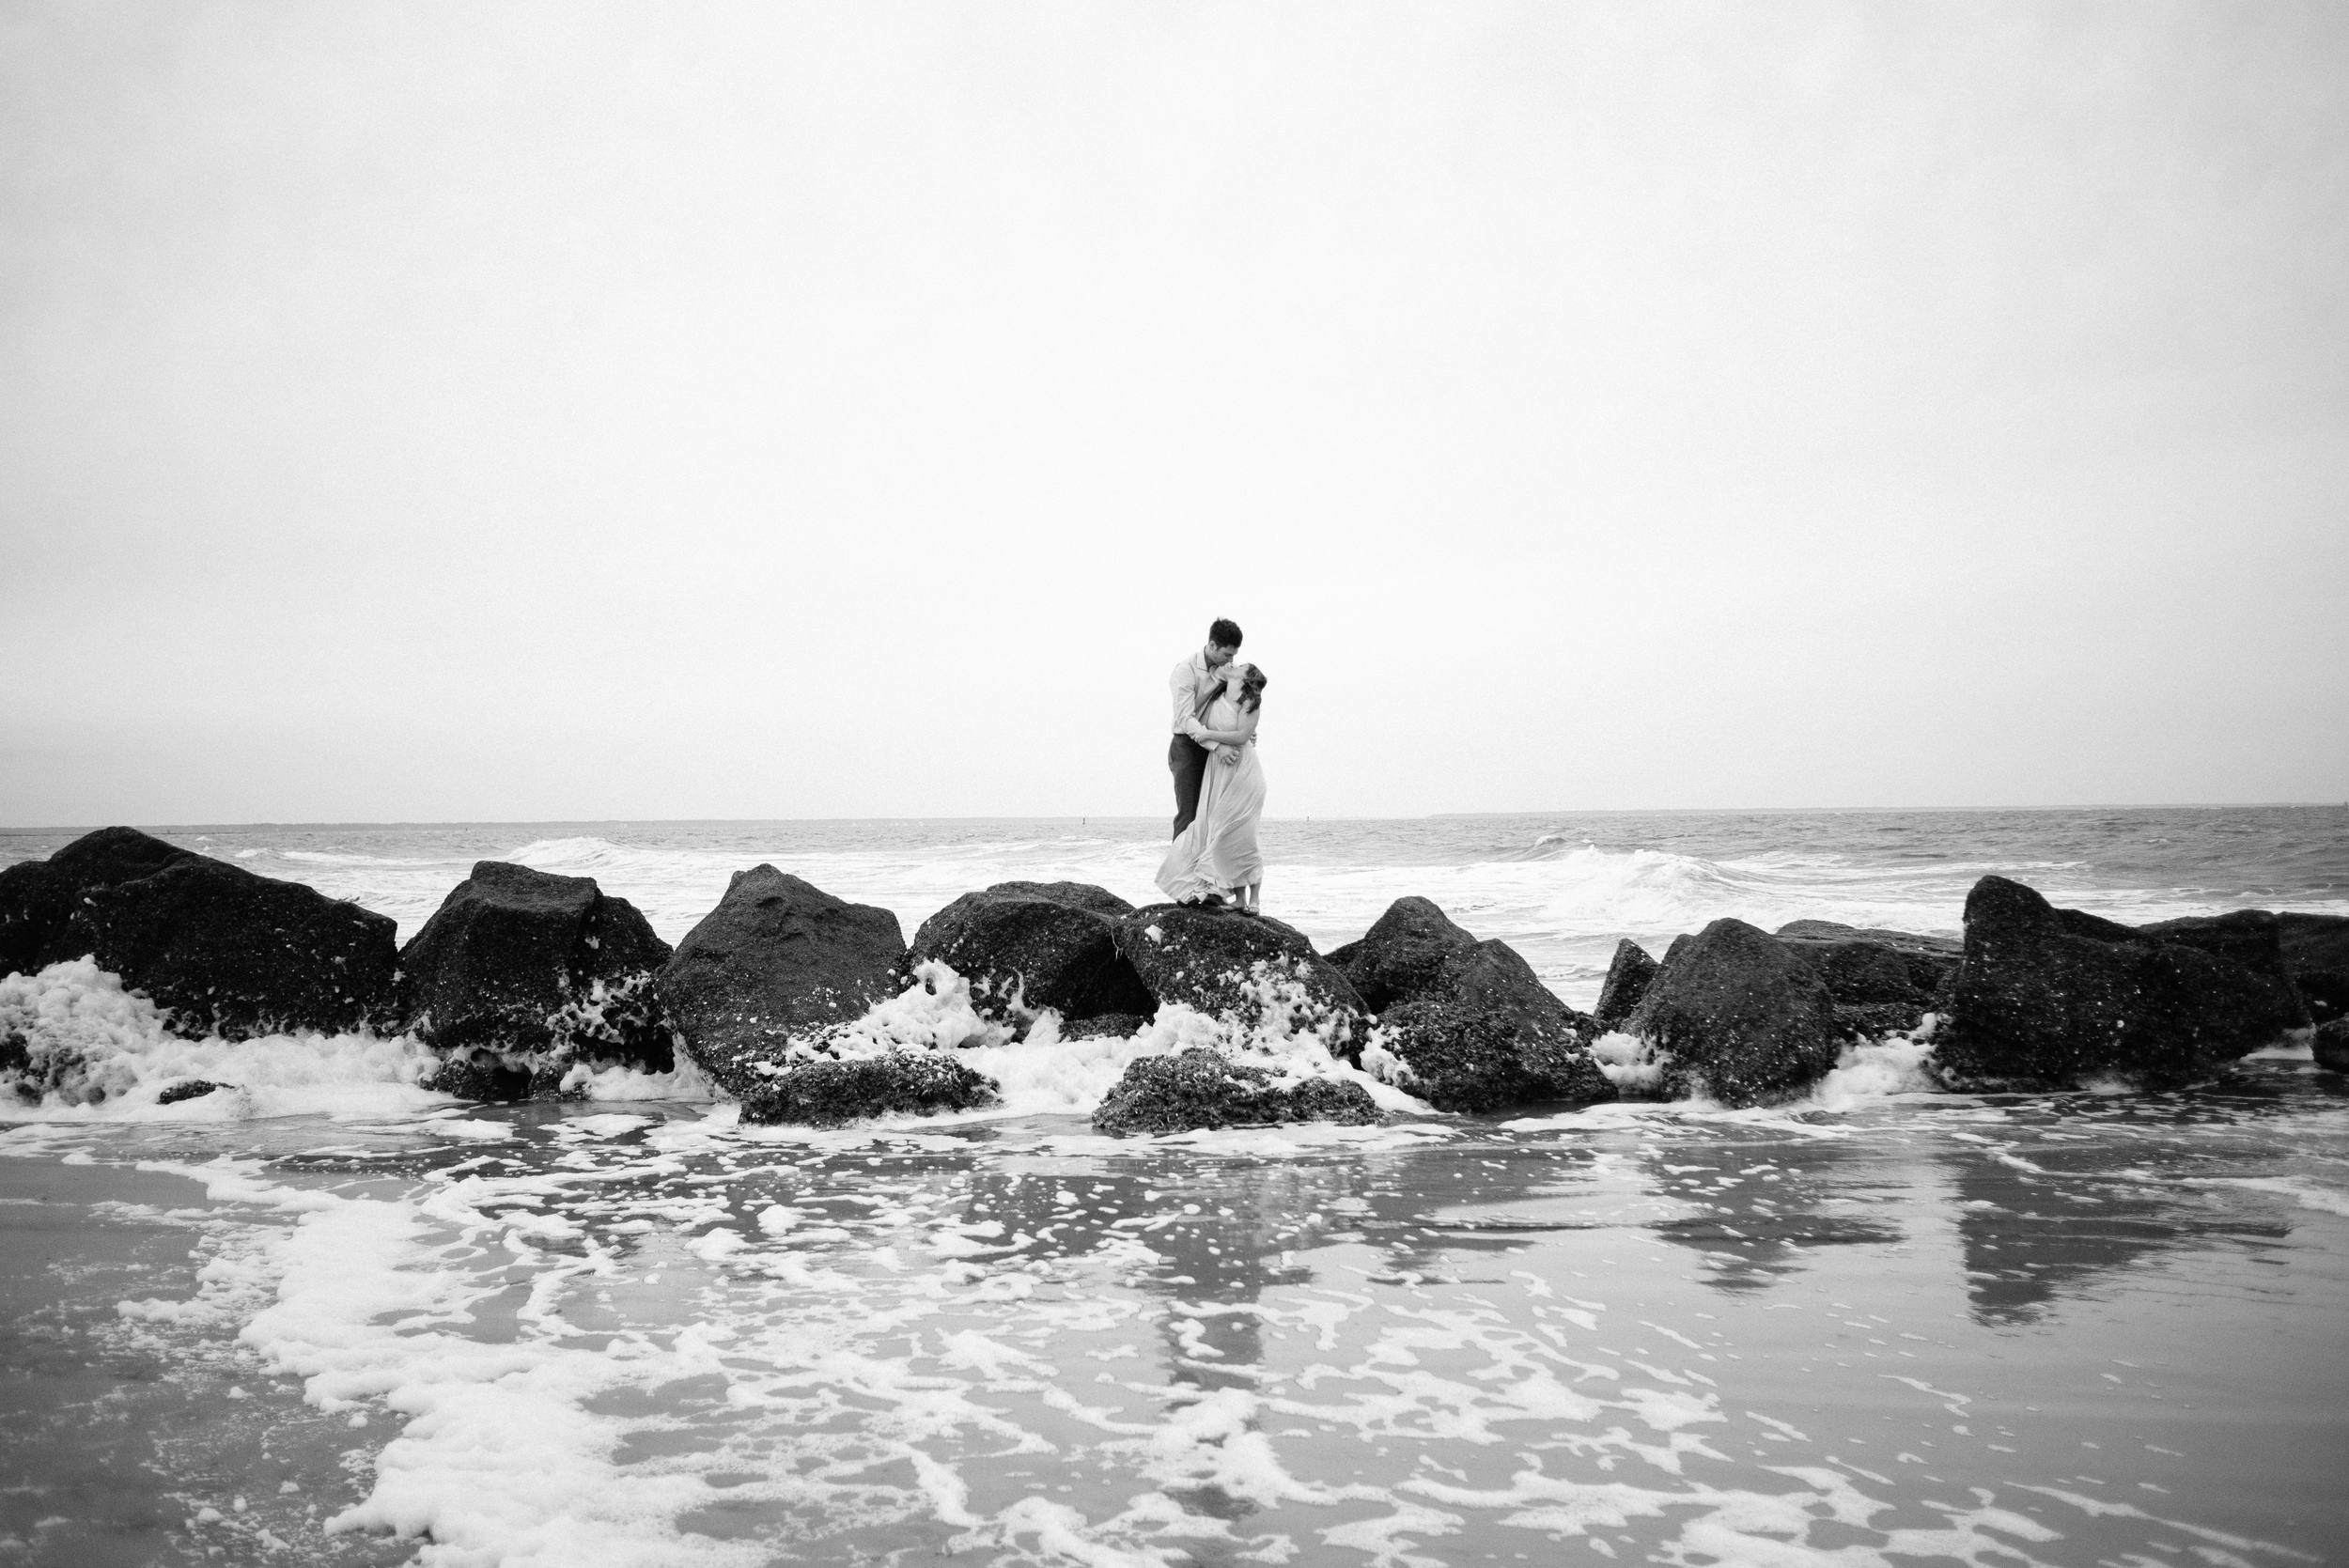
(2106, 1328)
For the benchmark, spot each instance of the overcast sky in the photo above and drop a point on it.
(568, 411)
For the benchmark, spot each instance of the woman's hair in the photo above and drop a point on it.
(1252, 683)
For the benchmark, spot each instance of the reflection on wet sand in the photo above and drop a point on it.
(1762, 1206)
(2091, 1190)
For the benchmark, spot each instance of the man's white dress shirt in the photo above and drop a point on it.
(1191, 678)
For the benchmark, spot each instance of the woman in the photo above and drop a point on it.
(1216, 859)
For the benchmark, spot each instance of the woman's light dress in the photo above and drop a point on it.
(1218, 852)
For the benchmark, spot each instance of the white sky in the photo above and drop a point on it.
(505, 412)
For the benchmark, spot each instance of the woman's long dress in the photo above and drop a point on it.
(1218, 852)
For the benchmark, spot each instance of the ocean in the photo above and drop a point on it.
(330, 1317)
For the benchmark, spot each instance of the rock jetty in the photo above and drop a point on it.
(522, 976)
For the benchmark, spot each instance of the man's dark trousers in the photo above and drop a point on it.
(1188, 759)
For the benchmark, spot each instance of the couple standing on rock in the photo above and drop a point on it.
(1219, 781)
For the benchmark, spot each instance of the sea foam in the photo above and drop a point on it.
(95, 1050)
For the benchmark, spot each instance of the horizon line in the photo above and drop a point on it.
(1115, 817)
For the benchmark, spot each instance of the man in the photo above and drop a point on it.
(1185, 755)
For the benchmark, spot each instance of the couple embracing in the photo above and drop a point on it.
(1218, 781)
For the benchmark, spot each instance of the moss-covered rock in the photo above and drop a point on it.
(778, 959)
(1628, 974)
(1242, 970)
(826, 1094)
(1028, 946)
(1202, 1088)
(1739, 1016)
(538, 969)
(2045, 998)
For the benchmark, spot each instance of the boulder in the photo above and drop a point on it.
(1492, 975)
(1403, 953)
(1459, 1054)
(37, 897)
(1930, 960)
(195, 1088)
(2253, 937)
(1027, 946)
(537, 968)
(2316, 949)
(1627, 976)
(1469, 1024)
(2332, 1045)
(2044, 998)
(1738, 1016)
(1491, 1036)
(825, 1093)
(1202, 1087)
(1250, 971)
(1078, 895)
(779, 958)
(1881, 981)
(232, 954)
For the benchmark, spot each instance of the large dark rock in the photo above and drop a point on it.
(1079, 896)
(1929, 960)
(1202, 1088)
(2047, 997)
(2253, 937)
(1472, 1026)
(37, 897)
(1403, 955)
(1460, 1055)
(191, 1089)
(1242, 969)
(1881, 981)
(537, 970)
(1739, 1014)
(825, 1093)
(2316, 949)
(1027, 946)
(1489, 1035)
(1628, 974)
(777, 959)
(231, 953)
(2331, 1044)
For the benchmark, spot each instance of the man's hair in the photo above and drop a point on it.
(1224, 634)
